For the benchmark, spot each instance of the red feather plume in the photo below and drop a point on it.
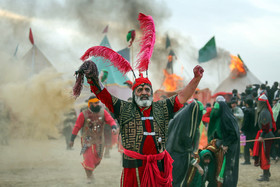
(113, 57)
(147, 42)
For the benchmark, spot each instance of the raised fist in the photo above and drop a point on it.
(198, 71)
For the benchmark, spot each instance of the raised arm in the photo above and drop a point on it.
(188, 91)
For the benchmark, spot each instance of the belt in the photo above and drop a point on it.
(149, 133)
(149, 118)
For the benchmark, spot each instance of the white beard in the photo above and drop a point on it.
(143, 103)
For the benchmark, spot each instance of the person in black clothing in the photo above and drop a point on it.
(275, 150)
(249, 129)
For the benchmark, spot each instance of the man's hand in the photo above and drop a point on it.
(71, 144)
(225, 149)
(260, 139)
(200, 170)
(198, 71)
(114, 131)
(188, 91)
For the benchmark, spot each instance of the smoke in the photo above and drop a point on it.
(36, 104)
(83, 22)
(65, 29)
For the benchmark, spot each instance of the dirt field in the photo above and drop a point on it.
(48, 163)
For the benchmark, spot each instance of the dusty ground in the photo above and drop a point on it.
(48, 163)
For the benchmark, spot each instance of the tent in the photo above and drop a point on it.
(238, 83)
(35, 61)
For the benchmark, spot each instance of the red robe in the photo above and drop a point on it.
(131, 177)
(261, 150)
(206, 116)
(91, 158)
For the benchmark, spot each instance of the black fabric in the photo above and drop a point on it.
(248, 125)
(182, 133)
(249, 129)
(231, 138)
(264, 118)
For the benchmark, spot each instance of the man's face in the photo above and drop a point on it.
(143, 95)
(95, 107)
(233, 105)
(206, 161)
(143, 91)
(95, 104)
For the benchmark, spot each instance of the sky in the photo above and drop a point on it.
(64, 29)
(246, 27)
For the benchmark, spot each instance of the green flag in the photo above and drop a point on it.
(208, 51)
(242, 62)
(130, 37)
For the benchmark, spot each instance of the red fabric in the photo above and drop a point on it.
(91, 158)
(221, 93)
(80, 121)
(104, 96)
(177, 105)
(256, 147)
(79, 124)
(206, 116)
(31, 39)
(263, 154)
(152, 176)
(141, 80)
(129, 176)
(108, 119)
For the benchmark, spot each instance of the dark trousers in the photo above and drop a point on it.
(248, 146)
(275, 149)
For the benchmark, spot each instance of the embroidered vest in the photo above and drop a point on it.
(93, 129)
(132, 127)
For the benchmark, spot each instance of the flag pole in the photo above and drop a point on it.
(33, 60)
(132, 64)
(15, 53)
(219, 72)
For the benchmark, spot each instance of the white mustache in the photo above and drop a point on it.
(144, 102)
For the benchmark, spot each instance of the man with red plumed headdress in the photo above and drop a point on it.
(143, 123)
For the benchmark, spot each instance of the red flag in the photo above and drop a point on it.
(106, 29)
(31, 36)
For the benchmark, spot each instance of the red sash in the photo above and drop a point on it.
(151, 176)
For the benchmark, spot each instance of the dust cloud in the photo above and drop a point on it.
(36, 104)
